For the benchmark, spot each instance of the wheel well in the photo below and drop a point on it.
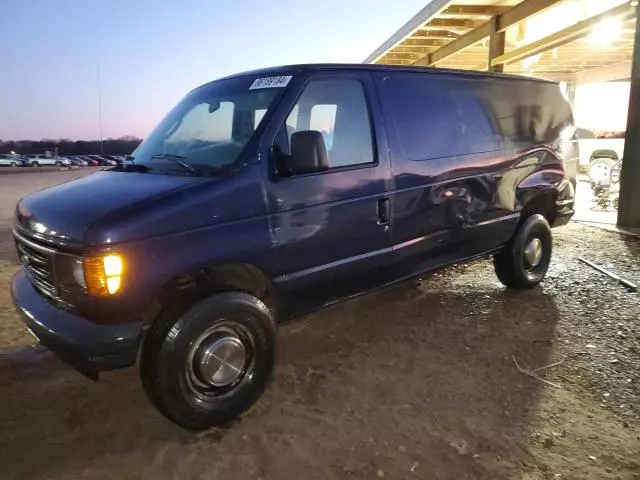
(187, 289)
(543, 203)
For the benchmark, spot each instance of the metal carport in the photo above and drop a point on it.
(571, 41)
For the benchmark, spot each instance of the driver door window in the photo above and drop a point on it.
(338, 110)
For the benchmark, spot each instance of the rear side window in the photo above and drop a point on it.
(436, 117)
(338, 109)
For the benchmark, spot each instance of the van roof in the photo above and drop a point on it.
(382, 68)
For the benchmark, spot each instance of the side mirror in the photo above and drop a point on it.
(308, 153)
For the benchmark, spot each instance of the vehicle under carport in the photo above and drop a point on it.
(570, 41)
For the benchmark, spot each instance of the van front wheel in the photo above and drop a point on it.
(212, 363)
(524, 261)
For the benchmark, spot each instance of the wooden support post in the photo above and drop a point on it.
(629, 204)
(496, 45)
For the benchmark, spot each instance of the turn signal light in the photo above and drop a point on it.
(103, 275)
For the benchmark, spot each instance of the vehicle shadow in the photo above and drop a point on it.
(418, 378)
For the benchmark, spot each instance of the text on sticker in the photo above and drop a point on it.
(270, 82)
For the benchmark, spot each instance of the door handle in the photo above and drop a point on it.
(383, 211)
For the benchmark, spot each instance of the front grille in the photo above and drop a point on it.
(38, 261)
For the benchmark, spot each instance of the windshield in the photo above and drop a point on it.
(209, 128)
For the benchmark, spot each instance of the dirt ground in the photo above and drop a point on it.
(418, 381)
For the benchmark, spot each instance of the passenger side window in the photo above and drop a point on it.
(338, 110)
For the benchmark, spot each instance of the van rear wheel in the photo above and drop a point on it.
(212, 363)
(524, 261)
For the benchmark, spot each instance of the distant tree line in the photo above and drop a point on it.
(64, 146)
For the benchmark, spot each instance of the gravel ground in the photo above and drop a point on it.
(417, 381)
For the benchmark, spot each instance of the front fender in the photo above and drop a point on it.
(160, 260)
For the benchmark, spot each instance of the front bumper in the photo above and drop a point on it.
(88, 347)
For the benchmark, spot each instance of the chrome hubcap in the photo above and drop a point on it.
(533, 252)
(218, 358)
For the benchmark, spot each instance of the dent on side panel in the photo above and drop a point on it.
(475, 144)
(534, 119)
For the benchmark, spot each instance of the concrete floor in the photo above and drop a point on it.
(584, 207)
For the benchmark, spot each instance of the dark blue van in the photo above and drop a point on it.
(275, 192)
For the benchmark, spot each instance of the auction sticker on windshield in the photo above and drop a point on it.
(270, 82)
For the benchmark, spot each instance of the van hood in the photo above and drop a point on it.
(67, 212)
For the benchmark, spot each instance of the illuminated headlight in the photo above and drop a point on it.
(103, 274)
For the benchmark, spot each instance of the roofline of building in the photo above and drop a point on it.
(419, 19)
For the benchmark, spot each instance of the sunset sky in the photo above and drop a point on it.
(152, 52)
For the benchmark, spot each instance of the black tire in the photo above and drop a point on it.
(511, 265)
(167, 362)
(59, 164)
(14, 164)
(35, 164)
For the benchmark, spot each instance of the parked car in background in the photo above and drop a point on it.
(598, 146)
(114, 158)
(102, 160)
(8, 160)
(43, 160)
(78, 161)
(67, 161)
(90, 161)
(186, 257)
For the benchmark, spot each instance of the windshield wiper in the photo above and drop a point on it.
(179, 159)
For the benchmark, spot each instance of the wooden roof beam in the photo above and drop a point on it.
(562, 37)
(451, 23)
(503, 20)
(422, 42)
(414, 49)
(444, 34)
(472, 11)
(466, 41)
(402, 56)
